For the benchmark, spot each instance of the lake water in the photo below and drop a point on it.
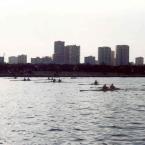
(43, 113)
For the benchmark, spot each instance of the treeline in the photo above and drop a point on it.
(30, 68)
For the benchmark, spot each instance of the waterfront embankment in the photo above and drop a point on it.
(68, 74)
(81, 70)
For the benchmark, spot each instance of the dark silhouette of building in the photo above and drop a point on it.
(59, 54)
(1, 60)
(67, 55)
(122, 55)
(13, 60)
(113, 58)
(22, 59)
(43, 60)
(139, 60)
(90, 60)
(72, 54)
(104, 55)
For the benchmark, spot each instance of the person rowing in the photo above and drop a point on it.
(54, 80)
(24, 79)
(96, 82)
(28, 79)
(59, 80)
(112, 87)
(105, 88)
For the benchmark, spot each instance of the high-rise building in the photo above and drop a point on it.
(72, 54)
(112, 58)
(90, 60)
(122, 55)
(22, 59)
(104, 55)
(13, 60)
(58, 56)
(139, 60)
(67, 55)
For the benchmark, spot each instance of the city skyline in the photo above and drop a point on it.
(70, 54)
(31, 27)
(61, 52)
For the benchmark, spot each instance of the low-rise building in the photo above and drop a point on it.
(43, 60)
(22, 59)
(36, 60)
(46, 60)
(13, 60)
(1, 60)
(90, 60)
(139, 61)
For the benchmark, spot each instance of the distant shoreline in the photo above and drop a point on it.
(80, 70)
(69, 74)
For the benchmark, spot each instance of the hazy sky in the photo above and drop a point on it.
(32, 26)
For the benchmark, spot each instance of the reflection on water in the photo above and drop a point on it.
(42, 113)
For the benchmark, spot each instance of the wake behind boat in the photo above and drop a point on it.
(116, 89)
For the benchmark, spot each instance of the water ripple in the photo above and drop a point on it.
(55, 130)
(58, 114)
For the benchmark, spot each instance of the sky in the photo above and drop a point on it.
(31, 26)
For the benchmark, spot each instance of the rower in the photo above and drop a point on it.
(54, 80)
(96, 82)
(28, 79)
(59, 81)
(112, 87)
(104, 88)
